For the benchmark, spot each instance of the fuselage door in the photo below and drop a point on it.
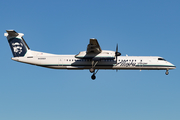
(60, 61)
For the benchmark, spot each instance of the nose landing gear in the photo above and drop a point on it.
(167, 72)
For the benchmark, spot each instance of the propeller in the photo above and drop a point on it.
(117, 53)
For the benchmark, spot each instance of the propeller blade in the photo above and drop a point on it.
(117, 48)
(117, 53)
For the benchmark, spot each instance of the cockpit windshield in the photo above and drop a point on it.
(161, 59)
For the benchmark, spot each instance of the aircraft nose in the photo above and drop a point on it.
(173, 66)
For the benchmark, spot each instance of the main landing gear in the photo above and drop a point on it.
(93, 77)
(92, 69)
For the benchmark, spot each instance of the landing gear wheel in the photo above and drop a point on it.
(167, 72)
(93, 77)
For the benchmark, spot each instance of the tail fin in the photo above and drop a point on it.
(17, 44)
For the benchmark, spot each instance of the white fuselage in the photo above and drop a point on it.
(71, 62)
(94, 58)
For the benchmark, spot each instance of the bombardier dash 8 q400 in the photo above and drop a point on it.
(93, 59)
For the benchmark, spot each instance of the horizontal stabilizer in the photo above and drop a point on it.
(12, 33)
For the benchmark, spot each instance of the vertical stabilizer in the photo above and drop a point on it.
(17, 44)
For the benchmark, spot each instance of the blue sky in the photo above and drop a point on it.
(141, 28)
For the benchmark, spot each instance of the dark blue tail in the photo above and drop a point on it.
(18, 47)
(17, 44)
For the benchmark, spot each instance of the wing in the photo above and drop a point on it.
(93, 47)
(95, 52)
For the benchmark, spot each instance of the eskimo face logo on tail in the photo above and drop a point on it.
(17, 46)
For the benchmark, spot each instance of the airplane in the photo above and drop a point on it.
(93, 59)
